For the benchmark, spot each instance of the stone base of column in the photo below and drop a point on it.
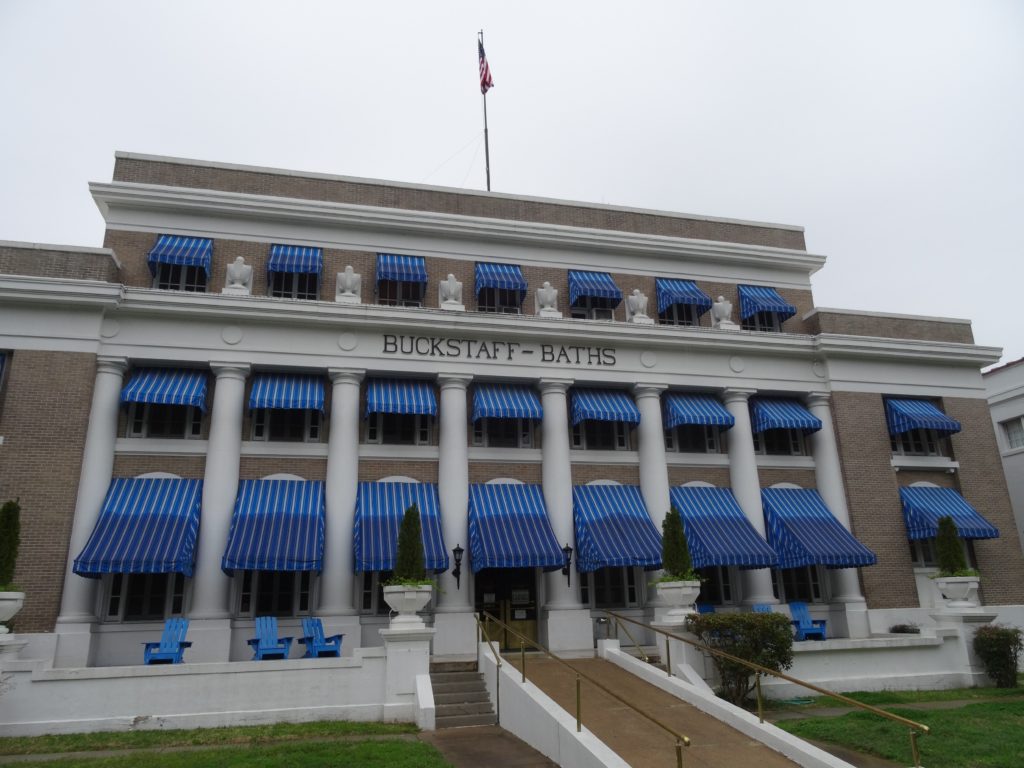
(347, 625)
(211, 640)
(757, 587)
(679, 653)
(74, 644)
(569, 629)
(407, 653)
(456, 633)
(966, 624)
(849, 619)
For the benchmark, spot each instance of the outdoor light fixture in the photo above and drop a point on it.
(567, 551)
(457, 570)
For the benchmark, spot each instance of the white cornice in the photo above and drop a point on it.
(832, 345)
(117, 200)
(51, 290)
(893, 315)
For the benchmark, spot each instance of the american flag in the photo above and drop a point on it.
(486, 82)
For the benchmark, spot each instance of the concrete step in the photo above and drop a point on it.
(460, 697)
(454, 677)
(463, 708)
(461, 721)
(469, 686)
(453, 666)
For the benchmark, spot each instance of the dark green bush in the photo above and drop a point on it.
(905, 629)
(949, 550)
(10, 537)
(409, 566)
(761, 638)
(675, 554)
(999, 649)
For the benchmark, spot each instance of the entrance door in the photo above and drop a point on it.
(509, 594)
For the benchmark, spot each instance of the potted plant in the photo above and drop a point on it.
(957, 583)
(409, 589)
(11, 598)
(679, 585)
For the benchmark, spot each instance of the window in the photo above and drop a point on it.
(803, 584)
(1014, 431)
(176, 277)
(501, 300)
(922, 553)
(373, 592)
(287, 425)
(295, 285)
(593, 308)
(145, 596)
(715, 585)
(919, 442)
(165, 421)
(503, 433)
(274, 593)
(693, 438)
(399, 429)
(610, 587)
(763, 321)
(601, 435)
(399, 293)
(679, 314)
(780, 442)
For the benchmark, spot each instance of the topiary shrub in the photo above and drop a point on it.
(409, 565)
(905, 629)
(761, 638)
(999, 649)
(949, 551)
(675, 554)
(10, 538)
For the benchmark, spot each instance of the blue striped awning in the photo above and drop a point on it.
(705, 410)
(717, 531)
(804, 532)
(671, 291)
(185, 251)
(761, 298)
(905, 415)
(147, 525)
(597, 285)
(167, 386)
(924, 505)
(781, 413)
(400, 396)
(278, 525)
(509, 528)
(613, 528)
(295, 258)
(380, 508)
(404, 269)
(505, 401)
(508, 277)
(293, 391)
(603, 405)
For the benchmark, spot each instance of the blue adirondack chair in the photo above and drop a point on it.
(762, 608)
(704, 608)
(806, 627)
(266, 644)
(172, 645)
(318, 646)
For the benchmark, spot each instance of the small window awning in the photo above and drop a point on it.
(291, 391)
(409, 396)
(146, 525)
(167, 386)
(183, 251)
(704, 410)
(603, 405)
(717, 531)
(380, 508)
(403, 269)
(295, 258)
(905, 415)
(278, 525)
(509, 528)
(505, 401)
(761, 298)
(507, 277)
(671, 291)
(594, 285)
(781, 413)
(924, 505)
(613, 528)
(803, 531)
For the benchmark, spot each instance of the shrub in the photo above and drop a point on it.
(999, 649)
(10, 537)
(905, 629)
(409, 566)
(761, 638)
(949, 551)
(675, 554)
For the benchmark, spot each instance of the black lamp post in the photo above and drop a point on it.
(567, 551)
(457, 570)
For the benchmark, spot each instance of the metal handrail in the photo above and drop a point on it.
(915, 727)
(481, 636)
(681, 740)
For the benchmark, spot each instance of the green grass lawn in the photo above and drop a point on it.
(884, 698)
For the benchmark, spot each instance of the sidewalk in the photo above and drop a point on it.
(484, 745)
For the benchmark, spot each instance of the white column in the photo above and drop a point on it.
(556, 474)
(79, 596)
(453, 488)
(651, 445)
(746, 487)
(337, 578)
(211, 587)
(828, 474)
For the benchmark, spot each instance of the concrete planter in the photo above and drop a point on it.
(959, 591)
(406, 601)
(679, 596)
(10, 604)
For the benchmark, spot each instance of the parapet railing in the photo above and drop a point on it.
(681, 740)
(915, 728)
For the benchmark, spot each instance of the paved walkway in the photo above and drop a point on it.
(485, 746)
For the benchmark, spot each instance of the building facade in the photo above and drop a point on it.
(224, 412)
(1005, 387)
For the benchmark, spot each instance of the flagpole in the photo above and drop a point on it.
(487, 144)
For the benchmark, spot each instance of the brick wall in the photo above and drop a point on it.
(583, 473)
(482, 471)
(772, 476)
(717, 476)
(44, 432)
(378, 469)
(190, 467)
(258, 467)
(823, 321)
(444, 201)
(54, 262)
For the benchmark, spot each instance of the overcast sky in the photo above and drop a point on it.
(892, 131)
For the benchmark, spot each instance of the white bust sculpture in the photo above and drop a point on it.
(349, 283)
(721, 314)
(450, 294)
(239, 277)
(636, 308)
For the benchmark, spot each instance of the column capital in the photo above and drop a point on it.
(230, 370)
(454, 380)
(737, 395)
(648, 390)
(554, 385)
(818, 398)
(346, 375)
(111, 364)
